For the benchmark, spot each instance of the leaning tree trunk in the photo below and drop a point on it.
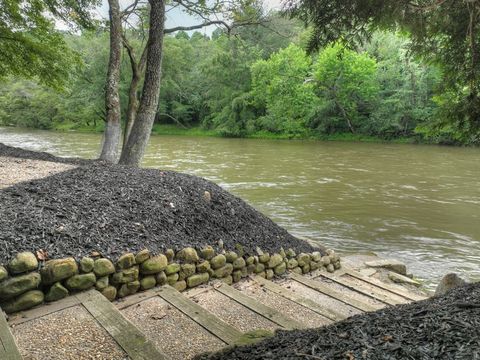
(113, 129)
(133, 152)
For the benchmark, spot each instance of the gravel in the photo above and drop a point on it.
(446, 327)
(70, 334)
(114, 209)
(15, 152)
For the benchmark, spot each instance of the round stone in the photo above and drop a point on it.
(126, 261)
(188, 255)
(154, 265)
(86, 264)
(57, 270)
(218, 261)
(142, 255)
(81, 281)
(103, 267)
(23, 262)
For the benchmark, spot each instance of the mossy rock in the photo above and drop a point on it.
(305, 268)
(197, 279)
(290, 253)
(161, 278)
(231, 256)
(228, 280)
(275, 260)
(314, 265)
(298, 270)
(172, 279)
(128, 289)
(102, 283)
(154, 265)
(18, 285)
(170, 254)
(188, 255)
(3, 273)
(125, 276)
(203, 267)
(224, 271)
(207, 252)
(23, 302)
(250, 260)
(264, 258)
(23, 262)
(56, 292)
(172, 269)
(148, 282)
(269, 274)
(292, 264)
(337, 265)
(330, 268)
(218, 261)
(126, 261)
(316, 256)
(81, 281)
(87, 264)
(239, 263)
(259, 268)
(280, 268)
(303, 259)
(251, 268)
(142, 255)
(325, 260)
(282, 253)
(237, 276)
(58, 270)
(180, 285)
(103, 267)
(110, 292)
(186, 271)
(254, 336)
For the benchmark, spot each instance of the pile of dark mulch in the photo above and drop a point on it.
(113, 209)
(15, 152)
(447, 327)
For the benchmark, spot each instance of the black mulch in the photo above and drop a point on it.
(11, 151)
(114, 209)
(447, 327)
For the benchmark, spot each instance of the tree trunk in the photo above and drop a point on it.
(133, 152)
(113, 129)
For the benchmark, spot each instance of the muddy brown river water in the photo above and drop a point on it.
(416, 203)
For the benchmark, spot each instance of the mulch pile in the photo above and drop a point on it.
(113, 209)
(11, 151)
(446, 327)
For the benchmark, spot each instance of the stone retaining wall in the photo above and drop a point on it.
(26, 282)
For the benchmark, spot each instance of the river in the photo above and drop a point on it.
(419, 204)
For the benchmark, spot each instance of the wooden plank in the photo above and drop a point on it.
(325, 289)
(261, 309)
(382, 285)
(8, 347)
(44, 310)
(366, 289)
(127, 335)
(206, 319)
(290, 295)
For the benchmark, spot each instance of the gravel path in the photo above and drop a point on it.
(446, 327)
(70, 334)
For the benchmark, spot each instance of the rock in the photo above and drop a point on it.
(228, 280)
(23, 262)
(239, 263)
(259, 251)
(125, 276)
(337, 265)
(57, 270)
(282, 253)
(298, 270)
(207, 252)
(329, 252)
(197, 279)
(186, 271)
(207, 196)
(259, 268)
(275, 260)
(290, 253)
(188, 255)
(180, 285)
(250, 260)
(292, 263)
(449, 282)
(224, 271)
(306, 268)
(172, 269)
(3, 273)
(154, 265)
(303, 259)
(142, 255)
(330, 268)
(170, 254)
(148, 282)
(237, 276)
(389, 264)
(86, 264)
(102, 283)
(172, 279)
(264, 258)
(316, 256)
(315, 265)
(280, 268)
(240, 250)
(262, 274)
(203, 267)
(161, 278)
(18, 285)
(110, 292)
(128, 289)
(269, 274)
(325, 260)
(81, 281)
(126, 261)
(231, 256)
(218, 261)
(23, 302)
(56, 292)
(251, 268)
(400, 279)
(103, 267)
